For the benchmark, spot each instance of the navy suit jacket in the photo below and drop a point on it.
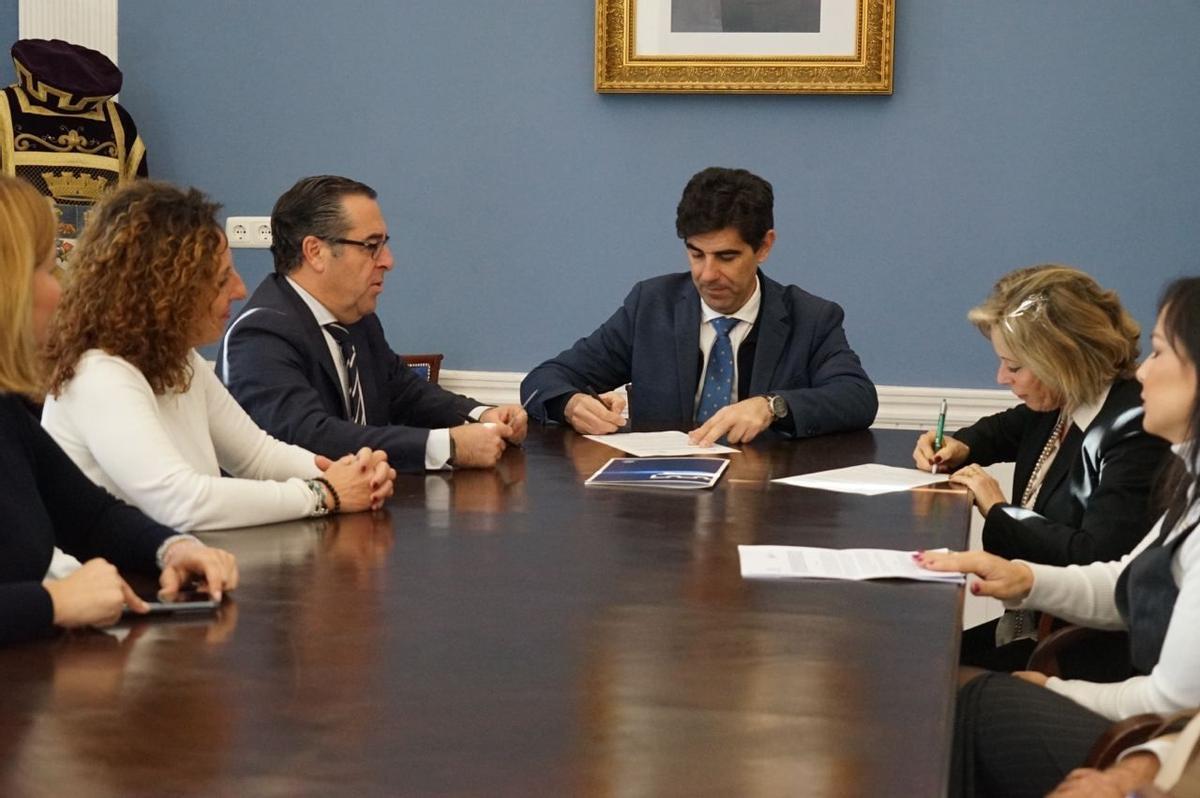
(1094, 504)
(653, 342)
(275, 361)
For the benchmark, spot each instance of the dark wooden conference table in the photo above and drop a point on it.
(511, 632)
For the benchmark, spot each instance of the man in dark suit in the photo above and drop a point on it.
(724, 351)
(307, 357)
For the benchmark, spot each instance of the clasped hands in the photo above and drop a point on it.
(363, 480)
(740, 422)
(954, 453)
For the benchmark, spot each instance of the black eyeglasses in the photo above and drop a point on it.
(375, 248)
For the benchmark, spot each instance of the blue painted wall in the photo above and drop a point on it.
(523, 205)
(9, 30)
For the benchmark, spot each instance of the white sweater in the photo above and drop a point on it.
(165, 453)
(1083, 594)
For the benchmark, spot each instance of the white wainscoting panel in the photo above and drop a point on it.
(91, 23)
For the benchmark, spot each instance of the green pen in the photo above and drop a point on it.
(940, 436)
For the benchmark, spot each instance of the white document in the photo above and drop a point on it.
(869, 479)
(807, 562)
(657, 444)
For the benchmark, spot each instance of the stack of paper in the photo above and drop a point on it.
(807, 562)
(868, 479)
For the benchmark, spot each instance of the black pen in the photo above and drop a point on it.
(592, 393)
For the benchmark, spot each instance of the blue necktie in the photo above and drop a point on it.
(718, 379)
(357, 409)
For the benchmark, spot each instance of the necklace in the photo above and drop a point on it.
(1035, 479)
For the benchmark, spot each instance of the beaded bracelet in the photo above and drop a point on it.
(337, 501)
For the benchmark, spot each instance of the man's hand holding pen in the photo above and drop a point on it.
(593, 414)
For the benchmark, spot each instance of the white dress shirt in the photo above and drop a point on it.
(437, 445)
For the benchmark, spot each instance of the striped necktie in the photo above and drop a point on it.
(718, 379)
(355, 406)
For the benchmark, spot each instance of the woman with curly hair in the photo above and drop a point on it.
(1084, 466)
(44, 499)
(136, 406)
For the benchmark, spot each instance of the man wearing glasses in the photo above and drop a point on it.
(307, 357)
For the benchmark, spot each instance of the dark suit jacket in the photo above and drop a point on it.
(45, 500)
(275, 361)
(799, 352)
(1095, 503)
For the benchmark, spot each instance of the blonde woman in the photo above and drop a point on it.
(1084, 466)
(135, 405)
(1020, 734)
(44, 499)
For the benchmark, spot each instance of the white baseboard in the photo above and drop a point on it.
(900, 406)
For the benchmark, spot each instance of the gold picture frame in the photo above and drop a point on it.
(860, 63)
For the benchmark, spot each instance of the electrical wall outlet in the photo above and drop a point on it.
(248, 231)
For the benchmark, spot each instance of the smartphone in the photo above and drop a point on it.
(185, 601)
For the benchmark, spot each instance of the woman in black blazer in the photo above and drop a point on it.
(1084, 467)
(44, 499)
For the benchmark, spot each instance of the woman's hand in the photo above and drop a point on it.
(1134, 771)
(987, 490)
(952, 454)
(1033, 677)
(95, 595)
(998, 577)
(188, 560)
(363, 481)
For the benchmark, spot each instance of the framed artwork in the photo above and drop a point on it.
(745, 46)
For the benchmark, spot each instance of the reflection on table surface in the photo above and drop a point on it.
(510, 632)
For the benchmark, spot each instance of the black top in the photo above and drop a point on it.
(45, 500)
(1095, 502)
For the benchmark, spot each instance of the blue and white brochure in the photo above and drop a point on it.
(679, 473)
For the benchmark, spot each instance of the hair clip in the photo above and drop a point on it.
(1032, 307)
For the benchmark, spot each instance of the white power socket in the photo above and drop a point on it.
(248, 231)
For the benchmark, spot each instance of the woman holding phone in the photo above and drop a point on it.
(44, 499)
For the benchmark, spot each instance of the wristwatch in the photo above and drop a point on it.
(778, 405)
